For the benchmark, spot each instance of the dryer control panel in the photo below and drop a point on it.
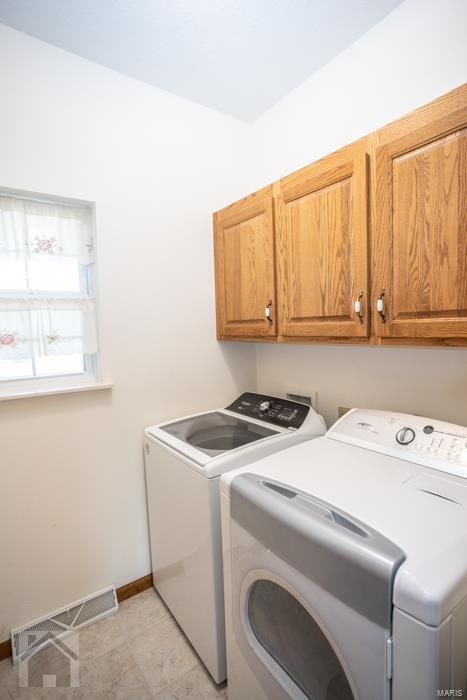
(431, 443)
(270, 409)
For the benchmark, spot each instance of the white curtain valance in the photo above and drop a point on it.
(34, 228)
(42, 327)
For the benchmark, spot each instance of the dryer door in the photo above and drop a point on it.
(290, 634)
(312, 591)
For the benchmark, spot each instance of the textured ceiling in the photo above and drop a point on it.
(236, 56)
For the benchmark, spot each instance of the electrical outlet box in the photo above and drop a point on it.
(303, 395)
(342, 410)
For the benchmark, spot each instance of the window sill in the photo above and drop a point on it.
(26, 392)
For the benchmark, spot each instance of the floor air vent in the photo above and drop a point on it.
(30, 638)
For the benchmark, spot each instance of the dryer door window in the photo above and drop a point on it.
(296, 642)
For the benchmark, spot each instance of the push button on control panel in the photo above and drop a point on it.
(452, 449)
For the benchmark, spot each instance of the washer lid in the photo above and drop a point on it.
(215, 433)
(215, 437)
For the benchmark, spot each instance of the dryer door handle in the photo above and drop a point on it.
(317, 507)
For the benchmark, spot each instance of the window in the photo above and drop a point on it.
(47, 308)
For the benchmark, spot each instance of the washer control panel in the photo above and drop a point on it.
(270, 409)
(428, 442)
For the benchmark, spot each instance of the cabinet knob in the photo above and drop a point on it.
(358, 307)
(267, 311)
(380, 305)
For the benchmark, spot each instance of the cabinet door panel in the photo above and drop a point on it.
(315, 293)
(323, 247)
(420, 245)
(244, 252)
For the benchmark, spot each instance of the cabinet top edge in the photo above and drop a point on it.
(345, 153)
(422, 116)
(253, 198)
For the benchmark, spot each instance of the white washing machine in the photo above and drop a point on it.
(184, 460)
(348, 581)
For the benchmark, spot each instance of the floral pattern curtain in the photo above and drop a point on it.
(45, 307)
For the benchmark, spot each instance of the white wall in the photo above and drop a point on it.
(414, 55)
(429, 382)
(72, 506)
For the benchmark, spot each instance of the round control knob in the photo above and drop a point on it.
(405, 436)
(264, 405)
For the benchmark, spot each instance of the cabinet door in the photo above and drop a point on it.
(244, 258)
(322, 247)
(420, 238)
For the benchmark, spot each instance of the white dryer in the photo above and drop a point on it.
(345, 564)
(184, 460)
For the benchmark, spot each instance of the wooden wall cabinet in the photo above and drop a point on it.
(245, 270)
(420, 232)
(322, 247)
(381, 222)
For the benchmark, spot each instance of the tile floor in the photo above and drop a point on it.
(137, 653)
